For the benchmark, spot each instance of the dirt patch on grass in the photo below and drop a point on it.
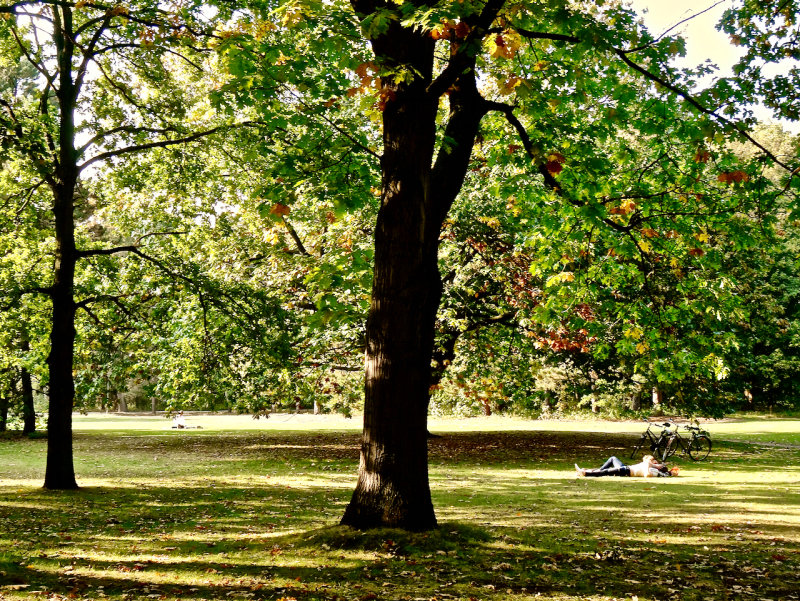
(502, 447)
(483, 447)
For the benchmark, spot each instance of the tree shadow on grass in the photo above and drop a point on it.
(513, 518)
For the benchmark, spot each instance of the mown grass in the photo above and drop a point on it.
(248, 509)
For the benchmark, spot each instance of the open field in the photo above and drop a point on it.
(246, 509)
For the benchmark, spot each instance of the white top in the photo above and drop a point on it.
(644, 469)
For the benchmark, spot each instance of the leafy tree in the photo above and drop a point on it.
(572, 109)
(93, 87)
(766, 357)
(767, 72)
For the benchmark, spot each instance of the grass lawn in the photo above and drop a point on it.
(245, 509)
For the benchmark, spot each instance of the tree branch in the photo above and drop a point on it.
(678, 24)
(113, 47)
(114, 298)
(36, 65)
(159, 144)
(96, 252)
(127, 129)
(622, 54)
(88, 52)
(479, 26)
(549, 179)
(113, 83)
(333, 124)
(17, 295)
(295, 236)
(543, 35)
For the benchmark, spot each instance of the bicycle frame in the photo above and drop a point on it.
(675, 441)
(655, 442)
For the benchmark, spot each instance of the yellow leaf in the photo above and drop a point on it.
(291, 17)
(513, 42)
(564, 276)
(635, 333)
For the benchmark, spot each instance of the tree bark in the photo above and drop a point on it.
(60, 471)
(658, 397)
(393, 489)
(5, 399)
(28, 410)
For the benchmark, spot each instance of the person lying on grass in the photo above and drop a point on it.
(649, 467)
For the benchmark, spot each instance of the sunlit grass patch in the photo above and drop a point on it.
(253, 514)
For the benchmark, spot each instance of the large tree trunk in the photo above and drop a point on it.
(393, 488)
(60, 471)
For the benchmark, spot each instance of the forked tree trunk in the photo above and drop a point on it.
(393, 488)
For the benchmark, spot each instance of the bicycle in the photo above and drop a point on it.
(656, 443)
(698, 446)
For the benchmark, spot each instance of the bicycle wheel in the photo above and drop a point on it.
(670, 447)
(699, 447)
(660, 450)
(638, 446)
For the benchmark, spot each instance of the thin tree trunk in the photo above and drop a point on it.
(60, 471)
(658, 396)
(5, 399)
(28, 410)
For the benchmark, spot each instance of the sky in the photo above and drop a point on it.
(703, 41)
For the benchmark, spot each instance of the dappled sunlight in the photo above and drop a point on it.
(223, 516)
